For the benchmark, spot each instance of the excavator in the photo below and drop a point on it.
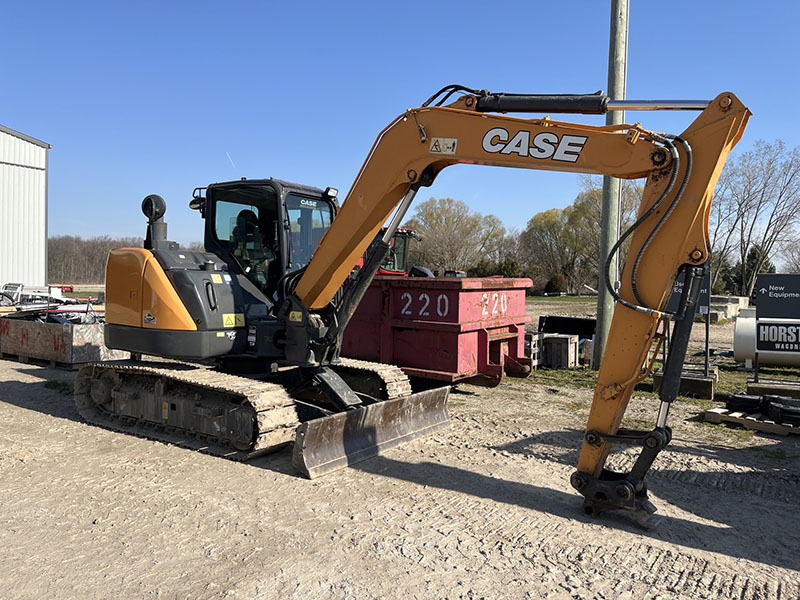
(248, 333)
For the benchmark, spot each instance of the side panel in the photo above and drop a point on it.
(161, 301)
(181, 304)
(138, 293)
(124, 271)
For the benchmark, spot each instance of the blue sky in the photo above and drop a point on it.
(152, 97)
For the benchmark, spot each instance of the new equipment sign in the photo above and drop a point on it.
(777, 296)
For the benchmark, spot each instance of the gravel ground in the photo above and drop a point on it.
(482, 510)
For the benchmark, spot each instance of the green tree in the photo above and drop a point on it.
(726, 275)
(588, 207)
(483, 268)
(543, 242)
(556, 284)
(567, 241)
(509, 267)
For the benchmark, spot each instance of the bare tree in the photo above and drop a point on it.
(790, 253)
(544, 246)
(71, 259)
(724, 219)
(195, 247)
(765, 184)
(454, 237)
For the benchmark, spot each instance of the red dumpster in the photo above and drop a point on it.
(448, 329)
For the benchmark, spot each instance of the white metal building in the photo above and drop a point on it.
(23, 208)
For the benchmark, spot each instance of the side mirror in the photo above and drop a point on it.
(198, 201)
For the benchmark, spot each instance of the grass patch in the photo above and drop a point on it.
(701, 403)
(589, 300)
(736, 434)
(571, 378)
(731, 379)
(578, 407)
(638, 423)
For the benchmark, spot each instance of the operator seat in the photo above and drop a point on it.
(249, 250)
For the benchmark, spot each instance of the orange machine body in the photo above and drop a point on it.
(139, 294)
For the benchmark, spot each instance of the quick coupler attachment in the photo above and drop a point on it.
(622, 491)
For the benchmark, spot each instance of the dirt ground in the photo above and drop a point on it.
(482, 510)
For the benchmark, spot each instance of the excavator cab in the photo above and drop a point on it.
(263, 229)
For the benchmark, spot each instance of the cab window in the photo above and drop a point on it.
(309, 219)
(246, 224)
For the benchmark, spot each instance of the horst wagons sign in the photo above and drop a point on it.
(780, 336)
(778, 313)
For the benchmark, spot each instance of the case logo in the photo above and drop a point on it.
(543, 145)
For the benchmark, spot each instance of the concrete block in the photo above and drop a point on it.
(693, 382)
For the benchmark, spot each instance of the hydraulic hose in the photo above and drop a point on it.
(616, 247)
(663, 219)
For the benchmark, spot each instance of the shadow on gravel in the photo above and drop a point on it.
(277, 462)
(563, 446)
(732, 497)
(722, 539)
(51, 394)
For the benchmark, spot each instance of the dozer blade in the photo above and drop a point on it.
(336, 441)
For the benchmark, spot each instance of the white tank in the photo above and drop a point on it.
(744, 342)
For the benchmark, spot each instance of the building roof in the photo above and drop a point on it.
(22, 136)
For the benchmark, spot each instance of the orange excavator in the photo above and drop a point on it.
(252, 328)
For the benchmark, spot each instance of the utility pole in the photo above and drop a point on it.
(609, 226)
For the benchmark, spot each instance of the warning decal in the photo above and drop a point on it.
(233, 320)
(441, 145)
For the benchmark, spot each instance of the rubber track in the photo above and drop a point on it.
(395, 382)
(276, 417)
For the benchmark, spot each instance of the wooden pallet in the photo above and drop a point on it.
(756, 421)
(43, 362)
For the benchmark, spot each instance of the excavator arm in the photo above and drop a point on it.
(670, 235)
